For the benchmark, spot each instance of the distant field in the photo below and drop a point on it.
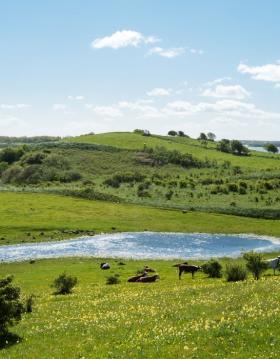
(36, 217)
(200, 318)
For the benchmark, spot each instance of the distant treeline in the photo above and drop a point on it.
(36, 139)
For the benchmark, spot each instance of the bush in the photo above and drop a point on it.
(29, 304)
(213, 268)
(64, 283)
(11, 155)
(255, 264)
(235, 272)
(11, 308)
(113, 279)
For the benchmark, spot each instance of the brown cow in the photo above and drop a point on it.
(188, 268)
(136, 277)
(148, 279)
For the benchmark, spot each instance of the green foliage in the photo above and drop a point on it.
(213, 268)
(235, 272)
(172, 133)
(11, 155)
(202, 137)
(113, 279)
(162, 156)
(118, 179)
(270, 147)
(255, 263)
(64, 283)
(235, 147)
(11, 308)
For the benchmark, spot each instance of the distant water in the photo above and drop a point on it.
(260, 149)
(144, 245)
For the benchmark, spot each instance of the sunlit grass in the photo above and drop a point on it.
(200, 318)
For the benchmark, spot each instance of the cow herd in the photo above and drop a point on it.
(144, 276)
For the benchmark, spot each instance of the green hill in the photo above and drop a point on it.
(159, 171)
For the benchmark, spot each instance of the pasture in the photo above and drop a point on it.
(200, 318)
(35, 217)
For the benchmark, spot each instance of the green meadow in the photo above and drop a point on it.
(199, 318)
(34, 217)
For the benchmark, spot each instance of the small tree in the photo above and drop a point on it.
(255, 263)
(172, 133)
(211, 136)
(11, 308)
(224, 145)
(238, 148)
(270, 147)
(64, 283)
(202, 137)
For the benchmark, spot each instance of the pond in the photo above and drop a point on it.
(143, 245)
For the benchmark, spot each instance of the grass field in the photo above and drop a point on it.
(200, 318)
(29, 217)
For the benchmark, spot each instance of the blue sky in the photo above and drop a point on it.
(72, 67)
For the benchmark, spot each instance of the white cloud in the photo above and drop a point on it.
(196, 51)
(18, 106)
(59, 107)
(105, 111)
(227, 91)
(76, 98)
(167, 53)
(159, 91)
(217, 81)
(123, 38)
(268, 72)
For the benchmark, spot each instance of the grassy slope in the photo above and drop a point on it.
(201, 318)
(127, 140)
(24, 216)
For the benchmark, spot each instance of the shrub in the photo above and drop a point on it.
(11, 308)
(113, 279)
(235, 272)
(255, 263)
(232, 187)
(34, 158)
(64, 283)
(3, 167)
(29, 304)
(213, 268)
(168, 195)
(11, 155)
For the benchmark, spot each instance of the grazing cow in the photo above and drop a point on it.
(178, 264)
(136, 277)
(105, 266)
(273, 263)
(188, 268)
(148, 279)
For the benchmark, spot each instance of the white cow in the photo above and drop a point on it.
(273, 263)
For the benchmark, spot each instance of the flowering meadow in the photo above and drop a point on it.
(199, 318)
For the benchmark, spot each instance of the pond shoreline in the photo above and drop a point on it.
(143, 245)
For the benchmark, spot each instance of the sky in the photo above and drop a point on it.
(71, 67)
